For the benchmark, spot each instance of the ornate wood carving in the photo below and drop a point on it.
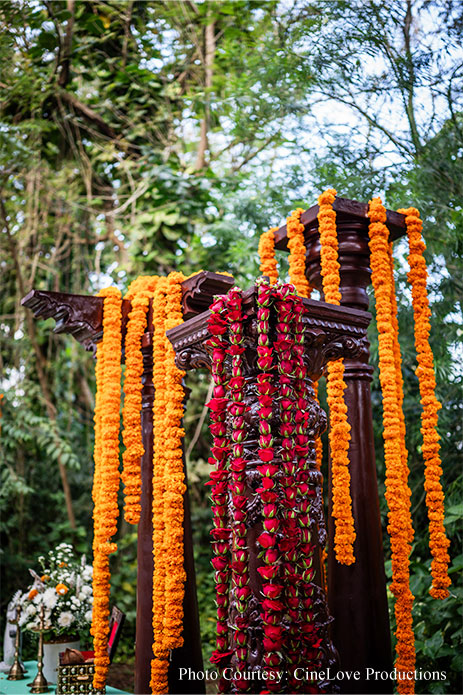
(330, 332)
(82, 316)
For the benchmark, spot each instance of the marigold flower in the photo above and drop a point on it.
(61, 589)
(397, 490)
(339, 435)
(417, 277)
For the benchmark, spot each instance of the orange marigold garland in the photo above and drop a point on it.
(168, 483)
(397, 492)
(160, 664)
(174, 473)
(139, 292)
(295, 231)
(268, 263)
(339, 435)
(399, 387)
(417, 277)
(107, 475)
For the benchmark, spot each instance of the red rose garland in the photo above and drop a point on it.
(268, 540)
(287, 552)
(219, 478)
(305, 569)
(240, 555)
(284, 346)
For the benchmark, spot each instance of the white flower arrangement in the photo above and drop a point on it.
(64, 590)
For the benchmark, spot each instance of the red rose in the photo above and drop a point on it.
(268, 469)
(268, 572)
(220, 657)
(267, 483)
(220, 548)
(271, 645)
(266, 454)
(219, 563)
(272, 659)
(236, 382)
(266, 540)
(217, 326)
(271, 555)
(241, 683)
(217, 404)
(272, 605)
(272, 590)
(267, 495)
(237, 408)
(242, 592)
(271, 525)
(218, 429)
(240, 501)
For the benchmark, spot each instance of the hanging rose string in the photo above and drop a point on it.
(286, 365)
(240, 554)
(272, 607)
(417, 277)
(106, 485)
(220, 451)
(339, 434)
(309, 654)
(397, 491)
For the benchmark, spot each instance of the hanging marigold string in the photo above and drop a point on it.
(107, 418)
(399, 389)
(174, 472)
(139, 293)
(160, 664)
(168, 482)
(397, 491)
(297, 252)
(417, 277)
(295, 231)
(268, 263)
(339, 435)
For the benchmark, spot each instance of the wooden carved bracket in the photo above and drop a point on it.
(331, 332)
(82, 316)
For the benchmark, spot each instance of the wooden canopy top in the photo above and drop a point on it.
(347, 209)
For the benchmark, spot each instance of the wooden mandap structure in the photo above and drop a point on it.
(359, 630)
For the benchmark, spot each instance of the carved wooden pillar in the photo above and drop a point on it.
(330, 332)
(356, 593)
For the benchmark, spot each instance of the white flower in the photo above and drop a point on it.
(88, 616)
(65, 619)
(85, 591)
(50, 597)
(75, 602)
(31, 609)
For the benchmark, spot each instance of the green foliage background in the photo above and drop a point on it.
(147, 136)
